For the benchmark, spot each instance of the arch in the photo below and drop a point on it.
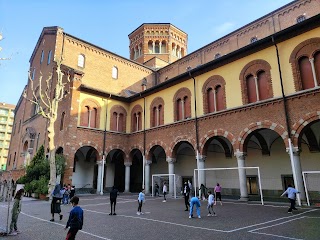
(278, 128)
(254, 68)
(153, 144)
(183, 94)
(306, 48)
(216, 133)
(213, 82)
(136, 114)
(178, 140)
(118, 120)
(157, 118)
(178, 143)
(298, 126)
(86, 106)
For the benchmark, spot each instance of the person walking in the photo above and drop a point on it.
(75, 221)
(164, 191)
(217, 191)
(210, 204)
(16, 209)
(72, 191)
(190, 186)
(141, 200)
(186, 193)
(113, 200)
(291, 192)
(203, 190)
(195, 201)
(157, 190)
(57, 195)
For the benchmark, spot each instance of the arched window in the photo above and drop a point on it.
(85, 113)
(49, 57)
(93, 117)
(182, 107)
(62, 121)
(114, 72)
(256, 81)
(157, 114)
(81, 60)
(154, 117)
(213, 91)
(118, 119)
(136, 118)
(114, 121)
(305, 64)
(42, 56)
(301, 18)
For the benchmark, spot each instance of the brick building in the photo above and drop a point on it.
(238, 101)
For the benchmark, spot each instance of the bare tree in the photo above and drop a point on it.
(47, 106)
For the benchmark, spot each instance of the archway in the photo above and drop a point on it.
(116, 170)
(136, 170)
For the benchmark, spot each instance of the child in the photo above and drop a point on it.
(195, 201)
(113, 200)
(217, 191)
(164, 191)
(15, 213)
(291, 192)
(210, 204)
(75, 220)
(141, 200)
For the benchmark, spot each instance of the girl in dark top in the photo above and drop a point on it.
(113, 200)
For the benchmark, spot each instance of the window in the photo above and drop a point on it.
(157, 112)
(118, 119)
(182, 100)
(81, 61)
(33, 73)
(256, 84)
(90, 113)
(115, 72)
(253, 39)
(62, 121)
(49, 57)
(301, 18)
(136, 118)
(42, 56)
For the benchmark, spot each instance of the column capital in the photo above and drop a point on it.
(148, 162)
(99, 162)
(202, 158)
(240, 155)
(311, 59)
(127, 164)
(295, 150)
(171, 160)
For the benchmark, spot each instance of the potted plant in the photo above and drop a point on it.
(42, 188)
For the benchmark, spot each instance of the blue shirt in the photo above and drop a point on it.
(291, 192)
(75, 220)
(141, 197)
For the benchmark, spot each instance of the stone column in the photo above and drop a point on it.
(313, 72)
(242, 176)
(298, 182)
(171, 162)
(147, 176)
(127, 177)
(99, 176)
(202, 174)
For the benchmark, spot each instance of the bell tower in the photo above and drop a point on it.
(157, 44)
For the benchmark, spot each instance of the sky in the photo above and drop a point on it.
(107, 23)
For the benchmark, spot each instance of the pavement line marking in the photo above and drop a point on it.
(159, 221)
(108, 203)
(279, 236)
(44, 220)
(275, 220)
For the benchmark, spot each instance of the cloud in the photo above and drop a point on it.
(223, 29)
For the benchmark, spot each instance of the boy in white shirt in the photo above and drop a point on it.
(210, 204)
(164, 191)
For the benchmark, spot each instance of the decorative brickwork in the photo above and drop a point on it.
(213, 82)
(239, 145)
(308, 49)
(300, 125)
(253, 68)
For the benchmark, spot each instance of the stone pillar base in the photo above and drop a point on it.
(243, 199)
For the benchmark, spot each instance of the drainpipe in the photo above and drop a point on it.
(196, 125)
(287, 123)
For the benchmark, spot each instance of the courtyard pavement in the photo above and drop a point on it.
(166, 220)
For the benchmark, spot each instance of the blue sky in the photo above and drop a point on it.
(108, 23)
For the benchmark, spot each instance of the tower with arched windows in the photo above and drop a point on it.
(157, 44)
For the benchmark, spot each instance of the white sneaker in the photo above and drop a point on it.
(190, 217)
(12, 234)
(214, 215)
(138, 213)
(199, 216)
(209, 215)
(17, 231)
(141, 213)
(164, 201)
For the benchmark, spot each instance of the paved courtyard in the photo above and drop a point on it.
(234, 220)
